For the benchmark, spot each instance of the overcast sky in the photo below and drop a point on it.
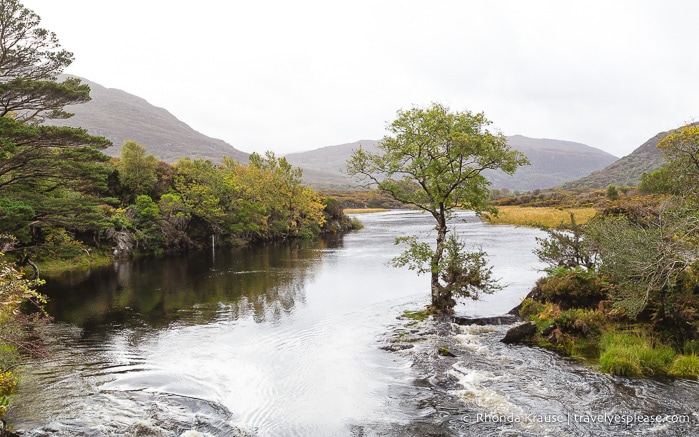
(297, 75)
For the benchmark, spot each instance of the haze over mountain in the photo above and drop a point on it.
(552, 163)
(121, 116)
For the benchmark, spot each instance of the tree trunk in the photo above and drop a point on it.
(442, 301)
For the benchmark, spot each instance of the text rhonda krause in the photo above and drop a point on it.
(611, 419)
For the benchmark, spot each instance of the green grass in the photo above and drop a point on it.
(83, 261)
(635, 354)
(632, 351)
(685, 366)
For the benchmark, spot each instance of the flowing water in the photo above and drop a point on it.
(291, 340)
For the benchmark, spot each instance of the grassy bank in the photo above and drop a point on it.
(547, 217)
(630, 350)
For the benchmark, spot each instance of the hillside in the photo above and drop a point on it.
(553, 162)
(628, 170)
(121, 116)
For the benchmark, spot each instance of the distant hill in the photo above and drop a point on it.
(324, 168)
(628, 170)
(552, 163)
(121, 116)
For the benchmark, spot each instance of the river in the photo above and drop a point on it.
(292, 339)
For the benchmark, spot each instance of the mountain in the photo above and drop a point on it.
(628, 170)
(324, 168)
(121, 116)
(552, 163)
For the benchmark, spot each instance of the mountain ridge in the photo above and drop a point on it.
(553, 162)
(120, 116)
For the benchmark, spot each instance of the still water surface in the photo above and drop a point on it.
(285, 340)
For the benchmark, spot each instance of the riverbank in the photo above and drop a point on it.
(610, 344)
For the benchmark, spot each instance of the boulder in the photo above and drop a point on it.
(520, 332)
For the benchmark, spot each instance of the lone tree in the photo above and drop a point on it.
(434, 160)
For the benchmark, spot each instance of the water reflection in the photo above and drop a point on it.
(262, 283)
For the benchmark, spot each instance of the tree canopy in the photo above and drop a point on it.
(55, 173)
(433, 159)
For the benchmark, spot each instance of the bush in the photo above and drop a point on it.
(530, 308)
(8, 383)
(571, 288)
(580, 320)
(356, 224)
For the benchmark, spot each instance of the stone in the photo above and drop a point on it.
(520, 332)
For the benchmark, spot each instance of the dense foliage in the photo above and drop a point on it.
(62, 197)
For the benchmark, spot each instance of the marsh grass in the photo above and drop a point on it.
(539, 216)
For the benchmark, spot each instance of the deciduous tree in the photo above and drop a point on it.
(433, 160)
(137, 169)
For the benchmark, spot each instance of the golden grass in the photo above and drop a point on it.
(539, 216)
(363, 210)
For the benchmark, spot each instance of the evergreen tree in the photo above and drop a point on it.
(54, 171)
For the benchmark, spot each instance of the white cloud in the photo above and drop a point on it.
(291, 76)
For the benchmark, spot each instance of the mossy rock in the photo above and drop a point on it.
(420, 316)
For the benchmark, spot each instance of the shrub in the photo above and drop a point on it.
(571, 288)
(530, 308)
(580, 320)
(356, 224)
(8, 383)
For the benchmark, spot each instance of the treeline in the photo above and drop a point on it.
(138, 204)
